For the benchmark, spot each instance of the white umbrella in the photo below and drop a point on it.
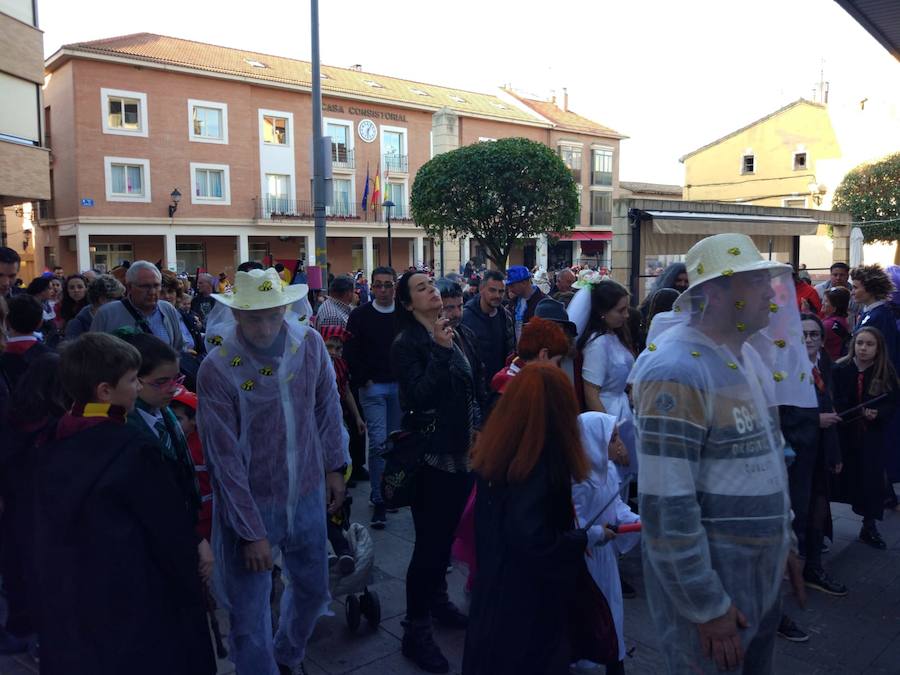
(856, 247)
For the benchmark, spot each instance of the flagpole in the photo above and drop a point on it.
(319, 197)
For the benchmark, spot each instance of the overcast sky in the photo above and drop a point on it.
(672, 76)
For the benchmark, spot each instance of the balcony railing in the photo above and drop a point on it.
(398, 212)
(396, 163)
(603, 178)
(601, 218)
(281, 208)
(342, 157)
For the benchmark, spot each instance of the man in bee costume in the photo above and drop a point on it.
(270, 420)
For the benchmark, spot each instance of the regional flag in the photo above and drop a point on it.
(376, 194)
(365, 199)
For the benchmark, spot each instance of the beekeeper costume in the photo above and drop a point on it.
(271, 426)
(712, 481)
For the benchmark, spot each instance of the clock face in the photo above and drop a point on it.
(367, 130)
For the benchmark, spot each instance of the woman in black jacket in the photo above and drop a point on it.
(437, 396)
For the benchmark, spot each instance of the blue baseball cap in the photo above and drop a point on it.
(517, 273)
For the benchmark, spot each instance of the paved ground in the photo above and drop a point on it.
(856, 634)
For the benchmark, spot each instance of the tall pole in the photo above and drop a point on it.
(390, 246)
(319, 197)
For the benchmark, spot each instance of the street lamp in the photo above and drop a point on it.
(176, 197)
(817, 191)
(388, 205)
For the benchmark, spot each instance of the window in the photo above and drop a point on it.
(210, 184)
(373, 84)
(123, 112)
(601, 208)
(343, 201)
(393, 147)
(19, 117)
(799, 161)
(341, 144)
(189, 256)
(208, 121)
(106, 256)
(571, 157)
(795, 203)
(278, 193)
(396, 192)
(486, 139)
(601, 167)
(458, 99)
(23, 10)
(275, 130)
(255, 64)
(748, 164)
(259, 251)
(127, 179)
(499, 106)
(419, 92)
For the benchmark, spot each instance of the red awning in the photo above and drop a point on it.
(587, 236)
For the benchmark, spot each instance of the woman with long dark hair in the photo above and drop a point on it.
(527, 546)
(74, 298)
(865, 381)
(437, 395)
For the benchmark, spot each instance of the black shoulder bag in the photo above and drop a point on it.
(402, 462)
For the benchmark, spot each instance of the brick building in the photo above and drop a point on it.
(137, 118)
(24, 159)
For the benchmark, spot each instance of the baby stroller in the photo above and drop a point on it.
(360, 601)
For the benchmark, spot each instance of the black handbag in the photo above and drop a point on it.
(402, 463)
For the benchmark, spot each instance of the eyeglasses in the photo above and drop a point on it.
(812, 335)
(170, 383)
(383, 284)
(148, 287)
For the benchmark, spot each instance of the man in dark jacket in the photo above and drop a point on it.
(451, 296)
(9, 270)
(492, 326)
(22, 347)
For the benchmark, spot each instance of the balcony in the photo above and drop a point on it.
(603, 178)
(281, 208)
(342, 157)
(398, 212)
(396, 163)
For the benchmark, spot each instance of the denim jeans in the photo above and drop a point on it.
(381, 408)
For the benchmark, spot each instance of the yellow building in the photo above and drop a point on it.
(770, 162)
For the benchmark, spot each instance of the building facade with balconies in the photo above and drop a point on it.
(200, 156)
(24, 159)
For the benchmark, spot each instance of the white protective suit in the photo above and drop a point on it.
(271, 427)
(712, 482)
(589, 497)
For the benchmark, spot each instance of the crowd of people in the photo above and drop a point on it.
(171, 443)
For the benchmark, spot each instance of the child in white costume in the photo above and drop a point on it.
(602, 445)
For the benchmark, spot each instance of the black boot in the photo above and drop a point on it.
(448, 615)
(419, 646)
(870, 535)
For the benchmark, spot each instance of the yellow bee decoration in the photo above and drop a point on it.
(651, 347)
(248, 385)
(732, 365)
(265, 286)
(778, 376)
(780, 344)
(236, 361)
(803, 377)
(266, 371)
(677, 308)
(734, 251)
(214, 340)
(727, 273)
(696, 355)
(301, 319)
(742, 326)
(700, 268)
(773, 307)
(740, 304)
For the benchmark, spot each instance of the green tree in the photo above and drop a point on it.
(872, 192)
(497, 192)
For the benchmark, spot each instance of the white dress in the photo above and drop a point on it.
(607, 363)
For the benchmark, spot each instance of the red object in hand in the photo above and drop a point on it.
(628, 527)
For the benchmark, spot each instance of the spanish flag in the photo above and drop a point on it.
(376, 194)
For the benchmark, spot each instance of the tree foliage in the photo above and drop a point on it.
(872, 192)
(497, 192)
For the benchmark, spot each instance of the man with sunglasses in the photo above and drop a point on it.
(142, 309)
(372, 330)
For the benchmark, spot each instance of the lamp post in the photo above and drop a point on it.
(176, 197)
(388, 206)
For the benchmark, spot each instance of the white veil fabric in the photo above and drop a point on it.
(579, 309)
(591, 495)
